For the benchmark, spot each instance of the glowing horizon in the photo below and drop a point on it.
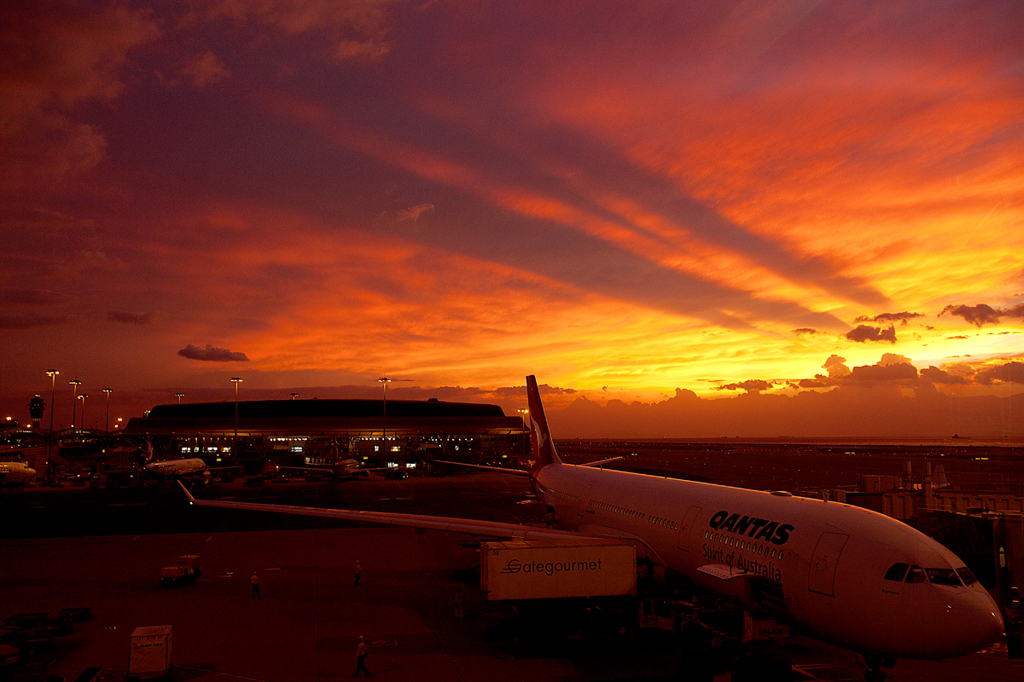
(622, 200)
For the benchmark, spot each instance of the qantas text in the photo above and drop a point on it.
(754, 528)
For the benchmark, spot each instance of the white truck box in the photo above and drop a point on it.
(150, 651)
(762, 628)
(548, 569)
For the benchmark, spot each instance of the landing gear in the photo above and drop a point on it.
(876, 668)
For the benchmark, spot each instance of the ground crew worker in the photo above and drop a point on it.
(255, 580)
(458, 602)
(361, 658)
(358, 571)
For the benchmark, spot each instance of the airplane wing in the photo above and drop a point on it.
(517, 472)
(601, 461)
(492, 529)
(521, 472)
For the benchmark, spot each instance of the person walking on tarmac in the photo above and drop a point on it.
(358, 571)
(255, 580)
(361, 658)
(458, 602)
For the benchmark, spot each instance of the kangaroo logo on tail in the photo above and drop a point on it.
(544, 447)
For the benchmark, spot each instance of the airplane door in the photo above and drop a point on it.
(685, 528)
(822, 577)
(584, 500)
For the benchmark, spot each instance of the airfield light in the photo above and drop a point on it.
(106, 424)
(526, 449)
(384, 423)
(52, 373)
(74, 398)
(236, 381)
(82, 398)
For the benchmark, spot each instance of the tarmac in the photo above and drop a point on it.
(305, 626)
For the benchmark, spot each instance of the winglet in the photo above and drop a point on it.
(191, 499)
(544, 447)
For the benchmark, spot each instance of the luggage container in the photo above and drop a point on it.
(150, 652)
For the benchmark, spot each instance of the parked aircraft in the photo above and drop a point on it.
(15, 472)
(343, 468)
(176, 468)
(844, 574)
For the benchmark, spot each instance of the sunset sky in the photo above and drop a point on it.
(799, 201)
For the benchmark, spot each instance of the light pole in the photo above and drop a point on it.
(526, 434)
(236, 381)
(82, 398)
(179, 395)
(293, 395)
(384, 423)
(106, 422)
(74, 399)
(52, 373)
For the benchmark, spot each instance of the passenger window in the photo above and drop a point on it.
(944, 576)
(916, 575)
(966, 575)
(897, 572)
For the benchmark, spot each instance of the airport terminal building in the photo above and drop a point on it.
(319, 432)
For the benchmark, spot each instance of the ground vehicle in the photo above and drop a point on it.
(186, 570)
(547, 569)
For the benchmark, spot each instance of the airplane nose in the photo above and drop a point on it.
(980, 621)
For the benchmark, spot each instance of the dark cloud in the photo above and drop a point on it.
(520, 391)
(31, 296)
(864, 333)
(805, 330)
(977, 315)
(211, 354)
(897, 372)
(29, 321)
(750, 386)
(891, 318)
(1010, 373)
(935, 375)
(836, 367)
(129, 318)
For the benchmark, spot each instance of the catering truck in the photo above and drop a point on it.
(554, 569)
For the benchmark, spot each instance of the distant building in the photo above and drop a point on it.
(318, 432)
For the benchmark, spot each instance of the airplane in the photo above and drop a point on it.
(843, 574)
(15, 472)
(343, 468)
(176, 468)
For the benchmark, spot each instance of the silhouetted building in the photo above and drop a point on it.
(317, 432)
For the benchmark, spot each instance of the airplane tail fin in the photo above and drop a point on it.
(543, 446)
(939, 478)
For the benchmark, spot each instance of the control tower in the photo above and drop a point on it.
(36, 407)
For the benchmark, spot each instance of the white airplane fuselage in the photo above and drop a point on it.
(177, 467)
(829, 559)
(15, 472)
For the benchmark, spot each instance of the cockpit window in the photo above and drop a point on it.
(916, 575)
(966, 575)
(944, 576)
(896, 572)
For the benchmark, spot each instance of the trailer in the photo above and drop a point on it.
(554, 569)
